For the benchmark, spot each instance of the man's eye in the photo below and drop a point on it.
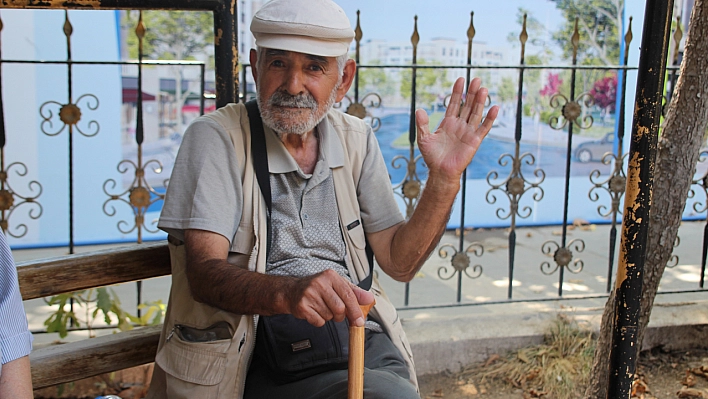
(277, 63)
(316, 68)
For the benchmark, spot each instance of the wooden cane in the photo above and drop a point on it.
(356, 356)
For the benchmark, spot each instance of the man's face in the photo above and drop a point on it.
(295, 90)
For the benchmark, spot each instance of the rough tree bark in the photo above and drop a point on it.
(678, 151)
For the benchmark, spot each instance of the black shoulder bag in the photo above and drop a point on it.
(293, 348)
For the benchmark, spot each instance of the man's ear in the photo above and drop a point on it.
(253, 58)
(347, 79)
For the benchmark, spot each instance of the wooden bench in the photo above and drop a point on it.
(90, 357)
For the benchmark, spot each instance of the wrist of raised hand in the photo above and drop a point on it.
(442, 182)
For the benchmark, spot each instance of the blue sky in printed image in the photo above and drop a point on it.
(493, 20)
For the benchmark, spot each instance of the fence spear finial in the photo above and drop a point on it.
(68, 29)
(415, 38)
(575, 40)
(523, 37)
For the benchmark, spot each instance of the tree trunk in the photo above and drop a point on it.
(678, 150)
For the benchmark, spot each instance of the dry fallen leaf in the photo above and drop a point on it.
(469, 389)
(690, 393)
(491, 359)
(533, 374)
(689, 380)
(582, 224)
(437, 394)
(537, 394)
(700, 371)
(639, 387)
(522, 356)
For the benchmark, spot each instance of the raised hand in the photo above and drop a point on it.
(449, 150)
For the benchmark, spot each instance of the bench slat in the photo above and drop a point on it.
(46, 277)
(57, 364)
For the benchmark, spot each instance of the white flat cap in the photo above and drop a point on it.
(318, 27)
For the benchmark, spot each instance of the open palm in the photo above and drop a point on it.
(449, 150)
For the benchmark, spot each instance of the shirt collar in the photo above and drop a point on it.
(280, 160)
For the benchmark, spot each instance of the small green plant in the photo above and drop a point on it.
(93, 303)
(154, 312)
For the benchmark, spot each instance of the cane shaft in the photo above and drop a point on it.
(356, 357)
(356, 362)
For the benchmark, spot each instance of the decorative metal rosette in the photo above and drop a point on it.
(562, 256)
(460, 261)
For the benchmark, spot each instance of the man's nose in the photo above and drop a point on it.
(294, 82)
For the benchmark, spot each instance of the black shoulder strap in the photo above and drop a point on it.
(259, 154)
(365, 284)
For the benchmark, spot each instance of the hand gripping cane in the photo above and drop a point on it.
(356, 356)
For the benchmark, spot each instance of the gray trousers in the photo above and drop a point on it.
(385, 377)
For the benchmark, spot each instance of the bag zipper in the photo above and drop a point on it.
(172, 332)
(250, 354)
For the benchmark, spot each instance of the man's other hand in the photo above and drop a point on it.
(449, 150)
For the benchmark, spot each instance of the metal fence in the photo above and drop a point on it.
(514, 185)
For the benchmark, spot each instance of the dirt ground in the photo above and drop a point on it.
(662, 376)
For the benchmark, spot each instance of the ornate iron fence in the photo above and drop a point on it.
(517, 177)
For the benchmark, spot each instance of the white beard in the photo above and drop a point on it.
(285, 121)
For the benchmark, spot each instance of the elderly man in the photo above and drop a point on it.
(258, 260)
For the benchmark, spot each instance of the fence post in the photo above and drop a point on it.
(226, 60)
(642, 154)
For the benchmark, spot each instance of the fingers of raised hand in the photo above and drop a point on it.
(489, 120)
(476, 105)
(471, 97)
(478, 125)
(453, 109)
(422, 123)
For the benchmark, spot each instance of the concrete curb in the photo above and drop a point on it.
(450, 343)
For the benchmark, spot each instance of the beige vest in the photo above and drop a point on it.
(217, 369)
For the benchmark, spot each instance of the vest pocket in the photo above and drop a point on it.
(355, 231)
(194, 369)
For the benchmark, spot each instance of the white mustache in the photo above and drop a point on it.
(281, 99)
